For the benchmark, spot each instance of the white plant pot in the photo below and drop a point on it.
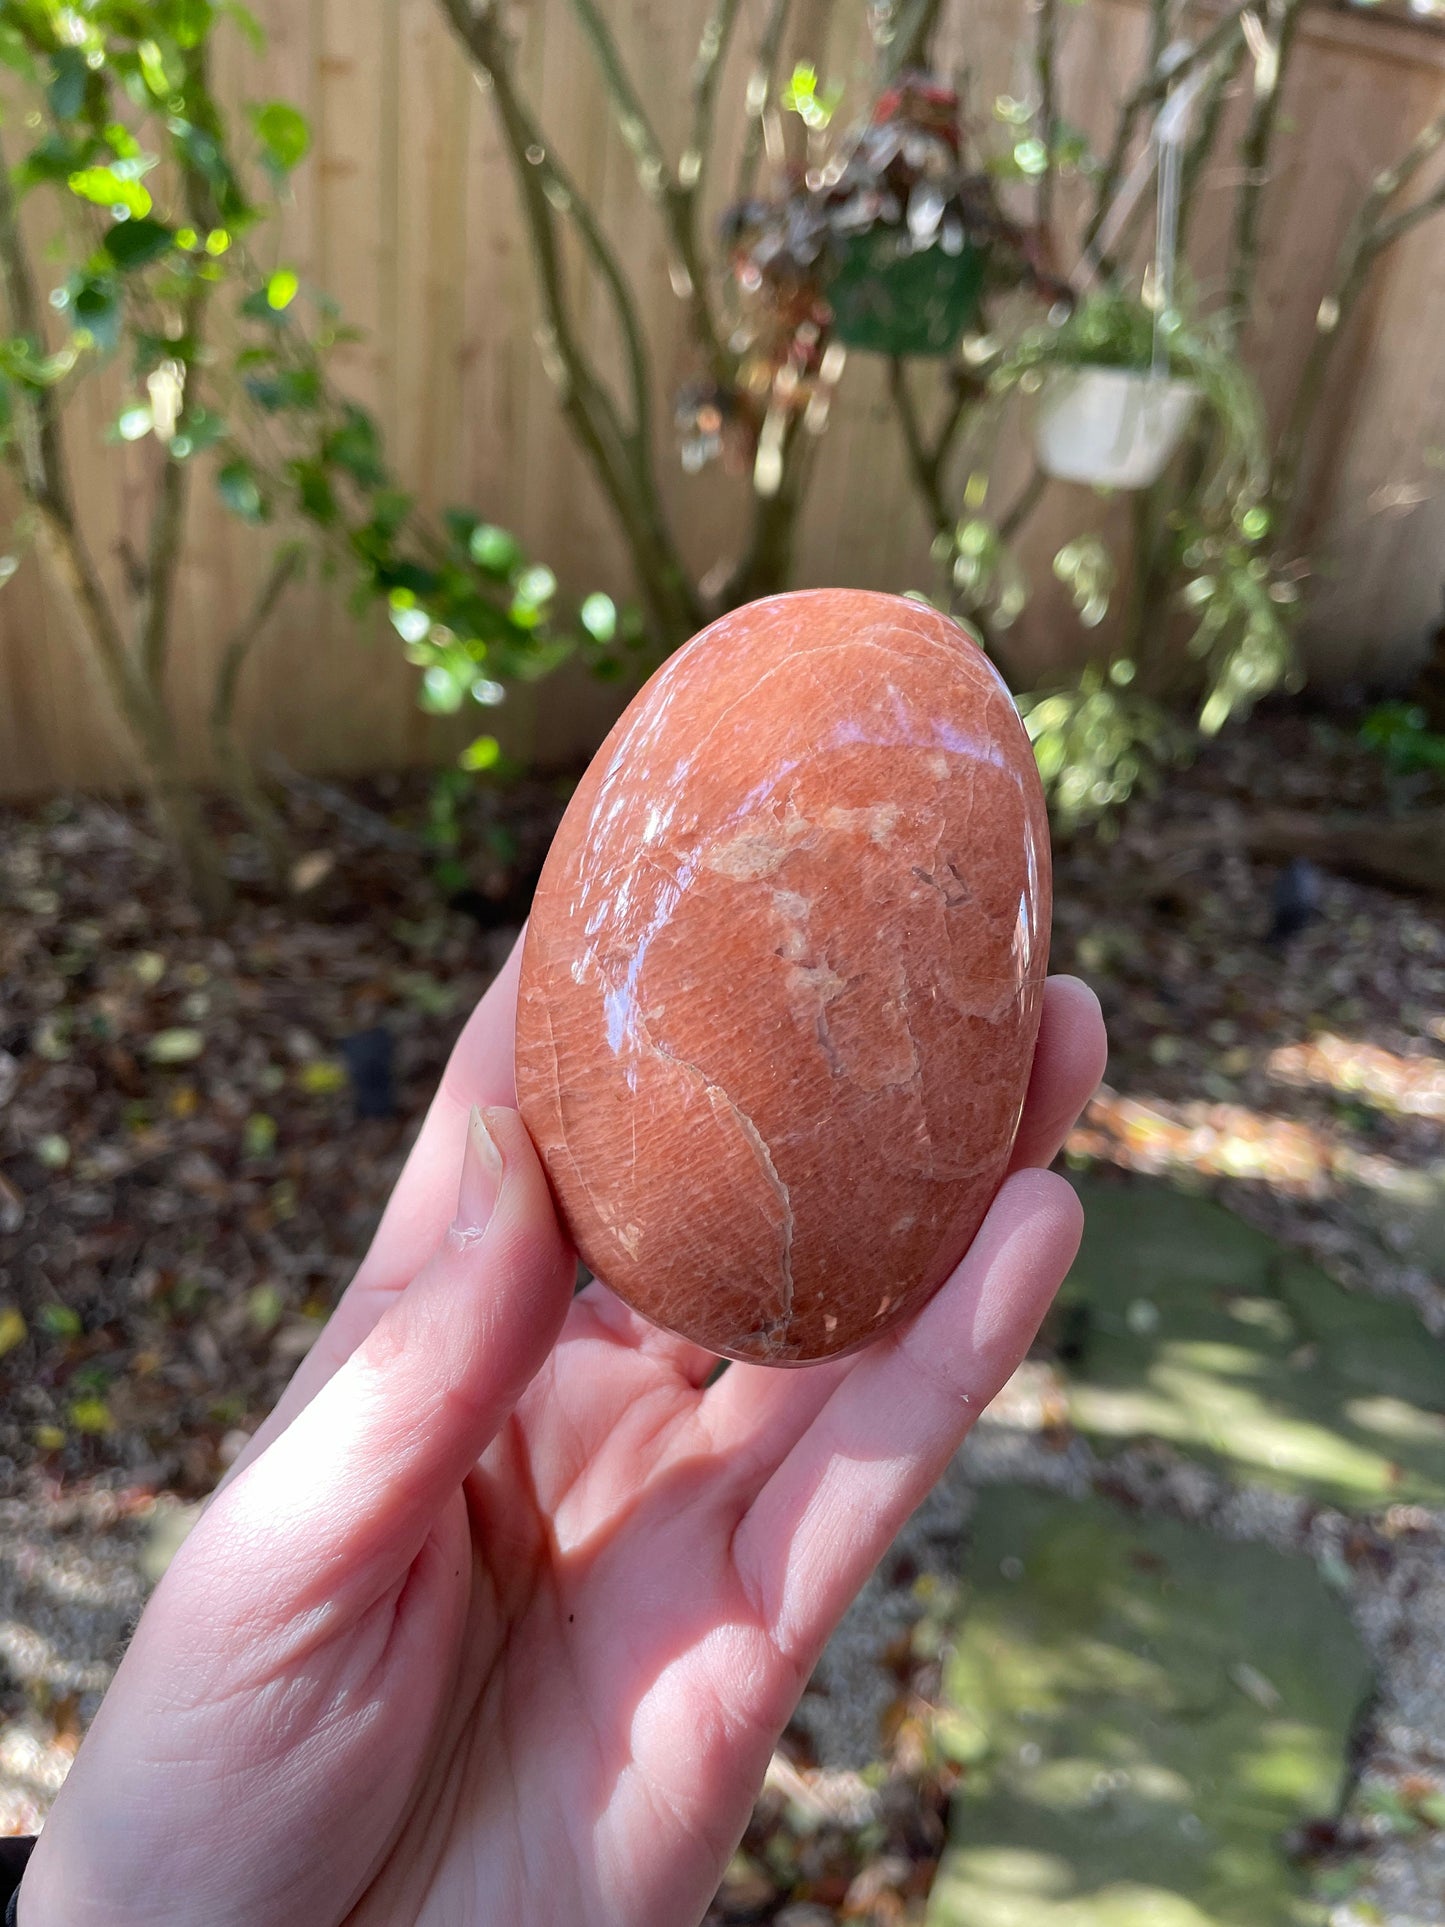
(1111, 427)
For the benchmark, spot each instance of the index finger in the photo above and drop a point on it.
(480, 1071)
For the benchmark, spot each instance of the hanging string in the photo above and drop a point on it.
(1169, 142)
(1169, 132)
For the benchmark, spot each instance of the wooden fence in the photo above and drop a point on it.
(405, 213)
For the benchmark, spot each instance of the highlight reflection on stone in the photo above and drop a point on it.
(782, 983)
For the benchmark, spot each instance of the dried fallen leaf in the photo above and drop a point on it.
(13, 1330)
(176, 1046)
(311, 870)
(12, 1206)
(91, 1416)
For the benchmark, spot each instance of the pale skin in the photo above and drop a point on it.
(501, 1614)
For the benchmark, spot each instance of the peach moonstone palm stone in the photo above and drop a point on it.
(782, 983)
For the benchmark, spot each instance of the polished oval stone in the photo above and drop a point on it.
(781, 987)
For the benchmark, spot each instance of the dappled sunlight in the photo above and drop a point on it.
(1405, 1086)
(1160, 1137)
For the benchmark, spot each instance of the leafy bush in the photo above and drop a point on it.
(226, 362)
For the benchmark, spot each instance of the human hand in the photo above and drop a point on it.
(502, 1612)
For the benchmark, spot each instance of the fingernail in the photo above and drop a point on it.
(482, 1168)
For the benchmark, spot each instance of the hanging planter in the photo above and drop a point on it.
(1112, 427)
(1117, 388)
(890, 297)
(887, 247)
(907, 230)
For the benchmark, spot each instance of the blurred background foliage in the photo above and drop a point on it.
(885, 215)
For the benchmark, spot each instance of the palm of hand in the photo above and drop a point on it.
(619, 1632)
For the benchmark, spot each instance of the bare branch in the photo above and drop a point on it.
(762, 83)
(1399, 225)
(914, 23)
(1199, 152)
(168, 517)
(45, 480)
(1026, 501)
(675, 201)
(1371, 232)
(1046, 118)
(232, 762)
(928, 462)
(621, 457)
(707, 69)
(1150, 91)
(1271, 63)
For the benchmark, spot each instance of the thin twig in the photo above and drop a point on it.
(1371, 232)
(235, 766)
(1150, 91)
(1026, 501)
(369, 825)
(908, 45)
(675, 202)
(1282, 19)
(1046, 118)
(927, 463)
(1200, 151)
(707, 69)
(621, 457)
(1391, 231)
(168, 517)
(283, 572)
(762, 84)
(44, 477)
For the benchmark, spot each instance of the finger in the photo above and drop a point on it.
(830, 1511)
(342, 1503)
(479, 1071)
(764, 1413)
(1068, 1065)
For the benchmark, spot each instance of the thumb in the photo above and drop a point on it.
(345, 1498)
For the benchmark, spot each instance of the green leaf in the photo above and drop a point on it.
(241, 492)
(284, 134)
(161, 68)
(494, 550)
(59, 1321)
(136, 244)
(107, 187)
(356, 448)
(413, 625)
(54, 159)
(70, 82)
(441, 693)
(13, 1330)
(248, 23)
(200, 431)
(122, 142)
(189, 21)
(282, 289)
(94, 307)
(599, 617)
(482, 754)
(317, 497)
(293, 388)
(91, 1415)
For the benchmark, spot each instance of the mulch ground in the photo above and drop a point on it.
(186, 1180)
